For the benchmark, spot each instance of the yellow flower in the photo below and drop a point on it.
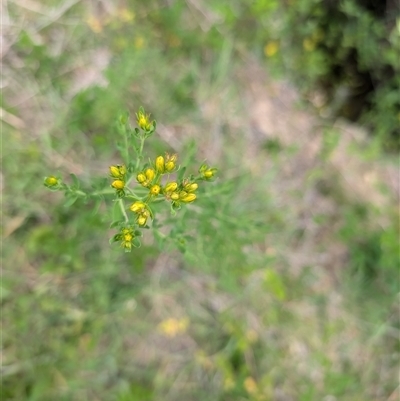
(94, 24)
(155, 190)
(126, 15)
(139, 42)
(143, 121)
(172, 327)
(51, 181)
(250, 385)
(118, 184)
(160, 164)
(271, 48)
(126, 237)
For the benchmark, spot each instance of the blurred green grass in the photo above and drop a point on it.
(267, 317)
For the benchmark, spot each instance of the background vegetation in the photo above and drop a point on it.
(282, 282)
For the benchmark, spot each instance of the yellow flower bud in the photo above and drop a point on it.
(170, 163)
(114, 171)
(191, 187)
(169, 166)
(141, 178)
(188, 198)
(155, 190)
(175, 196)
(170, 187)
(143, 121)
(137, 206)
(160, 164)
(122, 170)
(142, 220)
(150, 173)
(172, 158)
(51, 181)
(118, 184)
(208, 173)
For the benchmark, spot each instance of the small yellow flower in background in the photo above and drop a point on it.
(126, 15)
(172, 327)
(308, 44)
(250, 385)
(160, 164)
(271, 48)
(51, 181)
(118, 184)
(94, 24)
(139, 42)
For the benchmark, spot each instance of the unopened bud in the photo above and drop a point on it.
(137, 206)
(142, 220)
(150, 173)
(188, 198)
(118, 184)
(191, 187)
(51, 181)
(174, 196)
(160, 164)
(170, 187)
(114, 171)
(141, 178)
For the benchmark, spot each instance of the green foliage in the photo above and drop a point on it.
(209, 307)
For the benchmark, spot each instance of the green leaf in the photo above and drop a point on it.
(75, 180)
(136, 243)
(71, 200)
(115, 223)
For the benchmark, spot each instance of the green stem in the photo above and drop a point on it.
(139, 154)
(126, 150)
(122, 207)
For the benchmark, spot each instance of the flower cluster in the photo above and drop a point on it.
(138, 185)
